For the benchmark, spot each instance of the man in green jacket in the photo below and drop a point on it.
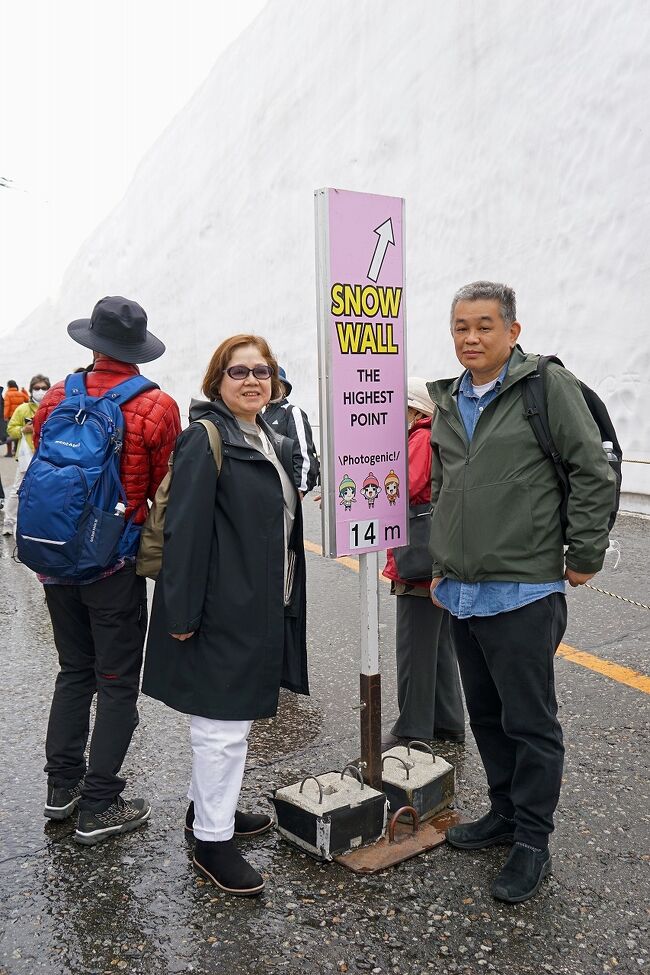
(500, 566)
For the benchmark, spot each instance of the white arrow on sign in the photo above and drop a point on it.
(386, 237)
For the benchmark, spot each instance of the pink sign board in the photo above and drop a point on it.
(362, 350)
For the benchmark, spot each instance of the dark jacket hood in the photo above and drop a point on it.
(231, 432)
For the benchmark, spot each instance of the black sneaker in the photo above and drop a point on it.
(223, 864)
(62, 802)
(121, 817)
(246, 824)
(522, 874)
(446, 734)
(489, 830)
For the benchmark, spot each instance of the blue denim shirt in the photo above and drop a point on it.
(464, 599)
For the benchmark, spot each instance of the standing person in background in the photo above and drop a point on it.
(500, 566)
(228, 618)
(428, 687)
(3, 439)
(99, 624)
(13, 397)
(292, 422)
(20, 429)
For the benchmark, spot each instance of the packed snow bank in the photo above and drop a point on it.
(516, 132)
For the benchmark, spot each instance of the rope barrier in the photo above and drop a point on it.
(623, 599)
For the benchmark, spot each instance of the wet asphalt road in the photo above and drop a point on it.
(134, 904)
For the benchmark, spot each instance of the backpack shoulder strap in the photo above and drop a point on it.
(536, 412)
(536, 409)
(129, 388)
(75, 384)
(215, 442)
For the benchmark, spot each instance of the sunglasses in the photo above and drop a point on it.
(243, 372)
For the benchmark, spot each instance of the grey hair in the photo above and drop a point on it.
(38, 378)
(488, 290)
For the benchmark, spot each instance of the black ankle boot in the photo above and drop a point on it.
(246, 824)
(522, 874)
(489, 830)
(223, 864)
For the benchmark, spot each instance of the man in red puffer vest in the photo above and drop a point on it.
(99, 625)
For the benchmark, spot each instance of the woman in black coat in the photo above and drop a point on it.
(228, 617)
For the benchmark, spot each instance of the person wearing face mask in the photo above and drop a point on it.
(12, 398)
(20, 429)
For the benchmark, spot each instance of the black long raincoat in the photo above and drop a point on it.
(223, 577)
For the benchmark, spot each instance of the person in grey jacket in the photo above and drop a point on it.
(292, 422)
(499, 566)
(228, 618)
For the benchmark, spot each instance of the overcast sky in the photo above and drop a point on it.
(86, 86)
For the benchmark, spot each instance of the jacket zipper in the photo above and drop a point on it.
(446, 414)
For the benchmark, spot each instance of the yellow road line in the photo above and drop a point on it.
(344, 559)
(623, 675)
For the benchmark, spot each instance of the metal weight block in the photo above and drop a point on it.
(420, 779)
(329, 814)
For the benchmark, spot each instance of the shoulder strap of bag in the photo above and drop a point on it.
(536, 412)
(215, 442)
(75, 385)
(129, 388)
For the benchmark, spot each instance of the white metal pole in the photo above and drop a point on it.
(369, 583)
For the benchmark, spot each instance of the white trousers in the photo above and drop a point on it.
(11, 504)
(218, 758)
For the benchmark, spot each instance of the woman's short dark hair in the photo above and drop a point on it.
(224, 353)
(39, 378)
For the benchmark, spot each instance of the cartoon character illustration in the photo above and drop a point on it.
(391, 487)
(370, 489)
(347, 492)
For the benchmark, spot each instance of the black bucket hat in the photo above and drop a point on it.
(117, 327)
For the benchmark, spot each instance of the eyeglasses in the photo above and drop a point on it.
(243, 372)
(44, 388)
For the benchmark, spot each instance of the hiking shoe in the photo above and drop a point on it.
(522, 874)
(223, 864)
(446, 734)
(121, 817)
(62, 802)
(489, 830)
(246, 824)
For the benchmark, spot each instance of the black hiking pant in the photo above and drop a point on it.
(99, 632)
(506, 666)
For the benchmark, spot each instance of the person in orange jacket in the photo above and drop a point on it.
(13, 397)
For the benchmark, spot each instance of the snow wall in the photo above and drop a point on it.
(518, 134)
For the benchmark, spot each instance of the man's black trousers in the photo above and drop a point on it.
(506, 666)
(99, 632)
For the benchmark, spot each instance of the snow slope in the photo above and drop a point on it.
(517, 133)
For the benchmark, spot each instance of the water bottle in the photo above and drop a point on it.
(120, 508)
(608, 447)
(613, 552)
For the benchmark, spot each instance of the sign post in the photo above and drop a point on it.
(362, 376)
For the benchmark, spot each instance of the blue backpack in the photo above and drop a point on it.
(69, 523)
